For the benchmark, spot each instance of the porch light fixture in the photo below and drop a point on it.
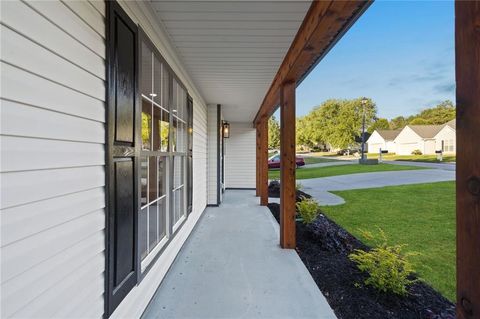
(153, 94)
(226, 129)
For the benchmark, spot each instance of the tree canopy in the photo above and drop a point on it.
(336, 121)
(379, 124)
(273, 133)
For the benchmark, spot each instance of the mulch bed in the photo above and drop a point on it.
(324, 247)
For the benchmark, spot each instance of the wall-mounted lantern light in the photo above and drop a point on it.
(226, 129)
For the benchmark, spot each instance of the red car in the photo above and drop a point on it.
(274, 161)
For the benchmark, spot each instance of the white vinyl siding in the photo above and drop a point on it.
(199, 157)
(52, 159)
(138, 298)
(240, 156)
(212, 131)
(448, 135)
(408, 141)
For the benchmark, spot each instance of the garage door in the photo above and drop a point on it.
(407, 148)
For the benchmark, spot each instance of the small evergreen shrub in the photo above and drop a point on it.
(416, 152)
(308, 209)
(388, 268)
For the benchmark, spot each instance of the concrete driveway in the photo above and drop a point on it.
(319, 187)
(443, 166)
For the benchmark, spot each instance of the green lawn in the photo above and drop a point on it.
(314, 172)
(414, 158)
(421, 216)
(315, 160)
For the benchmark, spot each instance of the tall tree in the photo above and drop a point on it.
(337, 122)
(398, 122)
(379, 124)
(440, 114)
(273, 133)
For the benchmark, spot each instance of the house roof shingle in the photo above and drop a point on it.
(426, 131)
(452, 124)
(388, 135)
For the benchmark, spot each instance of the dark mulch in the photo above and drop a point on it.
(274, 191)
(324, 247)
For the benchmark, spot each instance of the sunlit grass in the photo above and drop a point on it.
(421, 216)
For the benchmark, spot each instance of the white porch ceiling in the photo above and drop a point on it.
(232, 49)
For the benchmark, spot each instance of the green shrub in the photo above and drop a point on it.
(308, 209)
(298, 186)
(388, 268)
(416, 152)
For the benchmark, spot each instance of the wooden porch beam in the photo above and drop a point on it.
(263, 163)
(324, 24)
(257, 171)
(287, 166)
(467, 67)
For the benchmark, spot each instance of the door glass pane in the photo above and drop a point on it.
(146, 71)
(146, 124)
(142, 232)
(152, 179)
(152, 226)
(162, 218)
(143, 180)
(174, 134)
(165, 88)
(162, 174)
(157, 80)
(178, 171)
(160, 130)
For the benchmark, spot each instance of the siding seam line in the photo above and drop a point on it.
(50, 50)
(84, 21)
(50, 110)
(90, 234)
(51, 139)
(61, 29)
(52, 197)
(90, 3)
(55, 284)
(51, 80)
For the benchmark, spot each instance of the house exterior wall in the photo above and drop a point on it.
(53, 160)
(240, 156)
(429, 147)
(391, 147)
(408, 141)
(212, 160)
(375, 142)
(446, 134)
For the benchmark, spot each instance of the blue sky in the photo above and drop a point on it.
(400, 53)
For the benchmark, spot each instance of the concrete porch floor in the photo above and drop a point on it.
(233, 267)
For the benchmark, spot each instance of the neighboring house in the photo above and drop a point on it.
(382, 139)
(445, 139)
(424, 138)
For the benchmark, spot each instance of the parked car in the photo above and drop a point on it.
(274, 161)
(349, 151)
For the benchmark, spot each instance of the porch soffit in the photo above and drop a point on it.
(232, 49)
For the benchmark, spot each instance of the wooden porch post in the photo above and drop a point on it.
(257, 180)
(467, 56)
(263, 162)
(287, 166)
